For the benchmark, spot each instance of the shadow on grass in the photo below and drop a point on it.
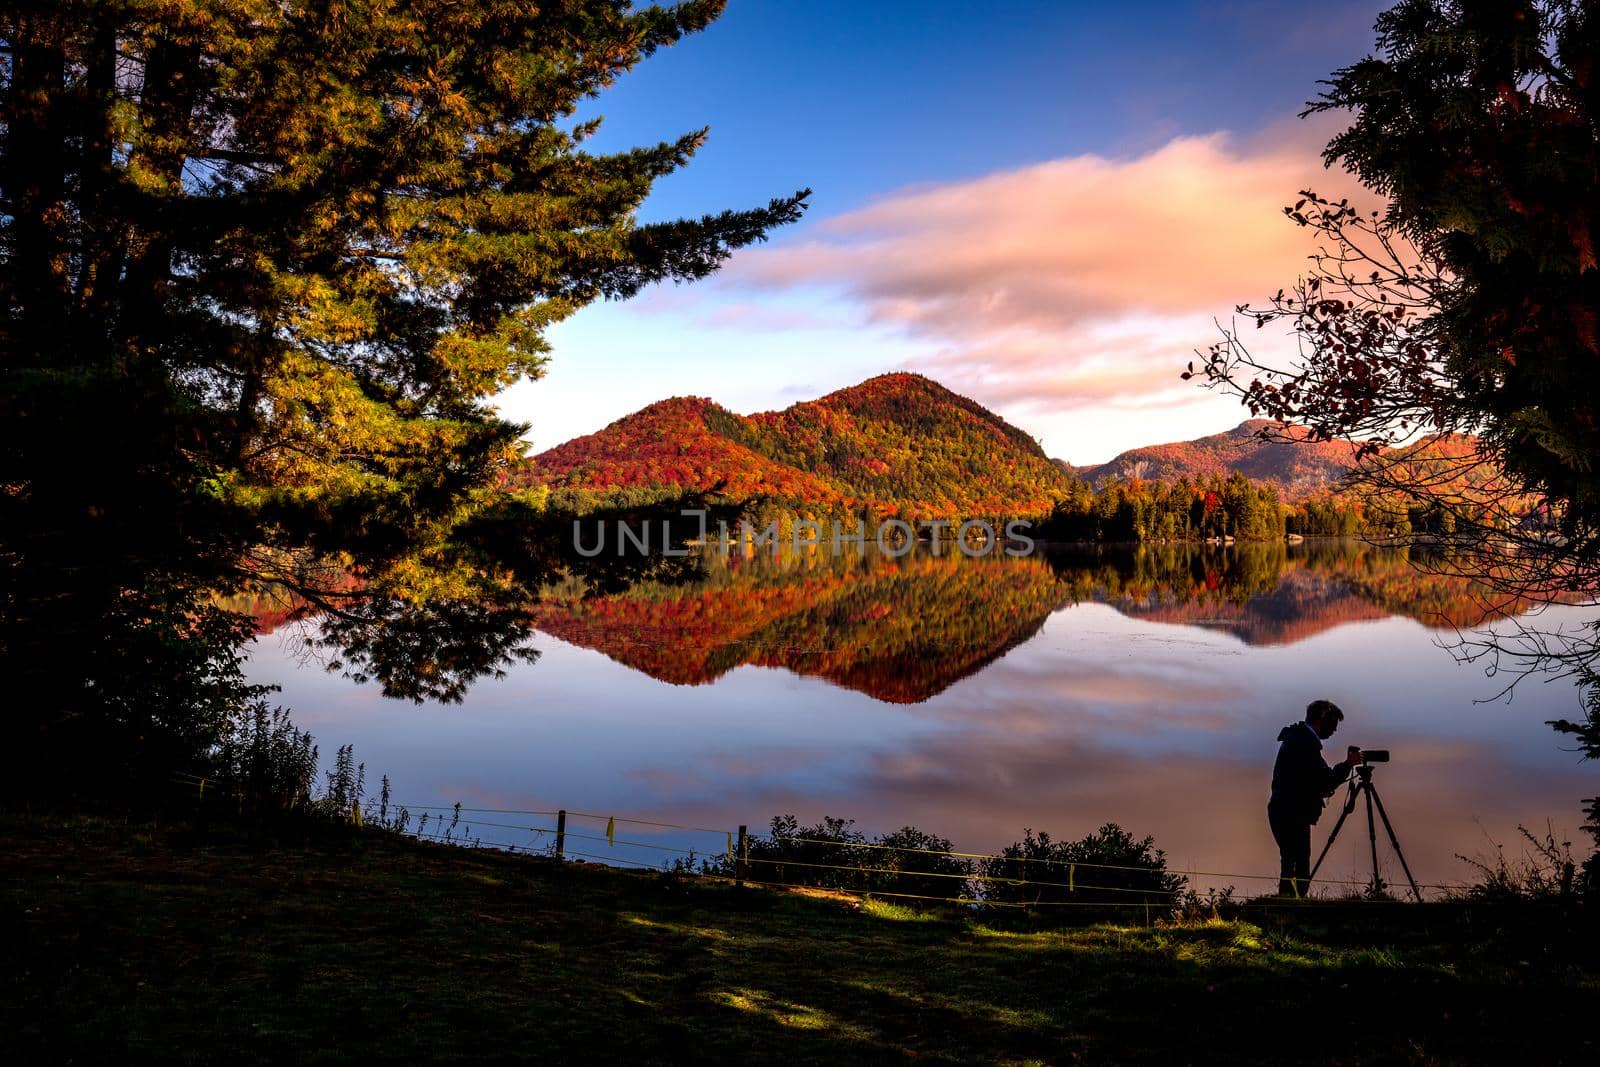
(130, 948)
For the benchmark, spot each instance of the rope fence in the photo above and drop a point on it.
(799, 839)
(874, 894)
(735, 853)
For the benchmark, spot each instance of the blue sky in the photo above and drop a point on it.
(992, 184)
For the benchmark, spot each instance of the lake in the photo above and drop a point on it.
(974, 698)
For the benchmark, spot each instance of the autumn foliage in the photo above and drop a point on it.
(898, 444)
(905, 630)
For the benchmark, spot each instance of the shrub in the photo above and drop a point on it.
(828, 854)
(266, 768)
(833, 854)
(1100, 875)
(919, 864)
(1545, 871)
(1589, 880)
(267, 762)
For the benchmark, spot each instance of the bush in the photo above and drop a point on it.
(267, 762)
(833, 854)
(1100, 875)
(266, 767)
(1544, 872)
(1589, 880)
(920, 864)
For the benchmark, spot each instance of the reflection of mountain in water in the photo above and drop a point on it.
(1303, 603)
(897, 630)
(1262, 594)
(905, 630)
(1269, 595)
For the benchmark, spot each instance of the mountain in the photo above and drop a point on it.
(901, 444)
(671, 445)
(1296, 468)
(897, 443)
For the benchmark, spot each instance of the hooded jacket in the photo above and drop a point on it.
(1302, 781)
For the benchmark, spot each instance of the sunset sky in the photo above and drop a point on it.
(1042, 205)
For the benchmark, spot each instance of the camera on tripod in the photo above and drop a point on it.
(1361, 785)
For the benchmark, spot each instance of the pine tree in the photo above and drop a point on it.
(263, 263)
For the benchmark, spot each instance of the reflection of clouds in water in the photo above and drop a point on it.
(1183, 750)
(982, 788)
(1091, 692)
(720, 767)
(1174, 642)
(1156, 723)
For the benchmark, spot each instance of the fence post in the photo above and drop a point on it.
(739, 864)
(561, 833)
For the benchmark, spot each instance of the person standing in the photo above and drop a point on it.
(1302, 782)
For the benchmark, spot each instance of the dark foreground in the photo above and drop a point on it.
(130, 943)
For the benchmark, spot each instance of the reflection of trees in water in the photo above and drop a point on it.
(899, 630)
(435, 648)
(1262, 594)
(1276, 594)
(905, 630)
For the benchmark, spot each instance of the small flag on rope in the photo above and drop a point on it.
(202, 787)
(1072, 878)
(611, 832)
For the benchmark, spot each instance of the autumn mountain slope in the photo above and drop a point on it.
(1297, 469)
(896, 444)
(671, 445)
(901, 444)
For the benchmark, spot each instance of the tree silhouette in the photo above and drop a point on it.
(1468, 307)
(262, 266)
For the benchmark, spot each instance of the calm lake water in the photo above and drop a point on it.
(974, 698)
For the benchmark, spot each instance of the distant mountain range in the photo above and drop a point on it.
(1297, 468)
(897, 443)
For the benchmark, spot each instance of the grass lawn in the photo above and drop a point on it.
(128, 943)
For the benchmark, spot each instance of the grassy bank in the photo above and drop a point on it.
(132, 943)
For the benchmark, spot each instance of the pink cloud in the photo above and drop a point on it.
(1075, 282)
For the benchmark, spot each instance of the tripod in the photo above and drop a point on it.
(1362, 784)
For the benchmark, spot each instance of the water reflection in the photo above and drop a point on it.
(977, 697)
(904, 630)
(897, 630)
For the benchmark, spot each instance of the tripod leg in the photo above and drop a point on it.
(1395, 841)
(1372, 837)
(1349, 806)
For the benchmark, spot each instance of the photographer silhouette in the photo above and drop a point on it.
(1302, 782)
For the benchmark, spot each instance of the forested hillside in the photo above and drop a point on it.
(898, 444)
(1296, 469)
(665, 449)
(901, 445)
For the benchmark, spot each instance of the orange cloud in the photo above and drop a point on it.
(1074, 282)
